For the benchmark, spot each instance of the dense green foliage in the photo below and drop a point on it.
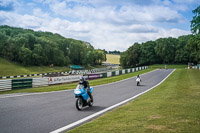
(114, 52)
(195, 23)
(44, 48)
(163, 50)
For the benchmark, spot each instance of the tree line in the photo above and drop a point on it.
(169, 50)
(30, 47)
(114, 52)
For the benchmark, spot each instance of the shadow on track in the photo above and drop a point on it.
(93, 108)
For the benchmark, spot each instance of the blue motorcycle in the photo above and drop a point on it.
(83, 99)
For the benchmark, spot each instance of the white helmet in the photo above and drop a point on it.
(82, 78)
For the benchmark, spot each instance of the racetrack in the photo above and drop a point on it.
(47, 112)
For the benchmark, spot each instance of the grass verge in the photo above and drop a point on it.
(173, 106)
(13, 69)
(73, 85)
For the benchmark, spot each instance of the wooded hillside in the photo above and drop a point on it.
(44, 48)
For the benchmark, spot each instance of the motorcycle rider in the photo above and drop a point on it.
(138, 78)
(86, 85)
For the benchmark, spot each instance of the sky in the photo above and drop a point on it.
(105, 24)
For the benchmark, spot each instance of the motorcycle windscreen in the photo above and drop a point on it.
(91, 89)
(79, 86)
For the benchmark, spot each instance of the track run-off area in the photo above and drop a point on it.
(56, 111)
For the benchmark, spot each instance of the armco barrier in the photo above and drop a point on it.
(104, 75)
(45, 81)
(113, 73)
(124, 71)
(5, 84)
(76, 72)
(21, 83)
(40, 82)
(120, 72)
(116, 72)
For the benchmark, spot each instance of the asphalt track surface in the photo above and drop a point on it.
(47, 112)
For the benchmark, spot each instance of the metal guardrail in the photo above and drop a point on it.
(5, 85)
(21, 83)
(40, 82)
(72, 72)
(12, 84)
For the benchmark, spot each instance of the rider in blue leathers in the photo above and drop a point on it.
(86, 85)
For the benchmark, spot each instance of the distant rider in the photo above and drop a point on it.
(138, 79)
(86, 85)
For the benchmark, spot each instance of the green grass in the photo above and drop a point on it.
(113, 59)
(174, 106)
(12, 69)
(73, 85)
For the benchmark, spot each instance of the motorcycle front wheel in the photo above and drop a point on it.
(79, 103)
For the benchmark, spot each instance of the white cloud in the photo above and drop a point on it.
(102, 23)
(124, 15)
(186, 1)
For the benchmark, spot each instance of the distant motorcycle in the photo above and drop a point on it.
(83, 99)
(138, 80)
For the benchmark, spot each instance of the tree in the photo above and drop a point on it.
(195, 23)
(8, 50)
(90, 59)
(3, 39)
(165, 49)
(124, 59)
(182, 52)
(99, 57)
(25, 56)
(148, 55)
(194, 48)
(37, 53)
(133, 55)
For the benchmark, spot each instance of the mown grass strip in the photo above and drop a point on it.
(8, 68)
(173, 106)
(73, 85)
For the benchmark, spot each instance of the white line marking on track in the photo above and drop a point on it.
(105, 110)
(28, 94)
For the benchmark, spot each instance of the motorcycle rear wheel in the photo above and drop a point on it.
(79, 103)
